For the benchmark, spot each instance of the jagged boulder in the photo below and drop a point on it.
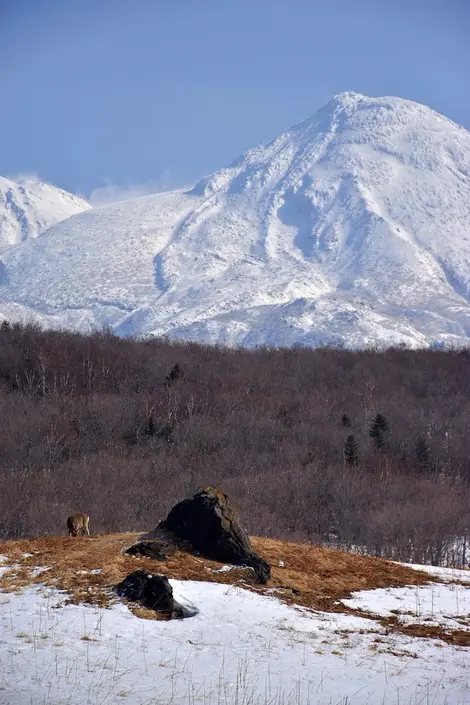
(153, 592)
(155, 549)
(210, 524)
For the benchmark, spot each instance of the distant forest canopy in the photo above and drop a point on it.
(366, 450)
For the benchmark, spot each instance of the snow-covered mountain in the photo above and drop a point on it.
(29, 207)
(351, 227)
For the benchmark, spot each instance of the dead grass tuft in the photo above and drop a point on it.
(457, 637)
(144, 613)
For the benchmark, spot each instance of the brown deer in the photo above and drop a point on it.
(78, 522)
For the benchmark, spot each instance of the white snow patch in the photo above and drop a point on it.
(38, 570)
(442, 573)
(5, 569)
(447, 605)
(224, 569)
(240, 648)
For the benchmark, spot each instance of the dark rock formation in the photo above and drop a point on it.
(153, 592)
(211, 526)
(157, 550)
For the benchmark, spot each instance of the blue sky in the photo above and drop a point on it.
(148, 94)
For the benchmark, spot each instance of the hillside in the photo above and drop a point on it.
(29, 207)
(92, 421)
(350, 228)
(329, 628)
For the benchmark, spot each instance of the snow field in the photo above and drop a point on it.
(446, 605)
(241, 649)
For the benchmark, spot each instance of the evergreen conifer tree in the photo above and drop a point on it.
(150, 427)
(423, 454)
(351, 453)
(377, 431)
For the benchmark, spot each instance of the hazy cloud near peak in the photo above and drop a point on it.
(26, 176)
(112, 193)
(33, 177)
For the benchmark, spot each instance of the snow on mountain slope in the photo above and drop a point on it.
(29, 207)
(351, 228)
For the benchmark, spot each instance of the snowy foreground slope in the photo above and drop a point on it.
(29, 207)
(241, 649)
(352, 227)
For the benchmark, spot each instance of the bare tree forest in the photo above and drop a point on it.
(366, 450)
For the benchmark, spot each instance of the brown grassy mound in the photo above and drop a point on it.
(311, 577)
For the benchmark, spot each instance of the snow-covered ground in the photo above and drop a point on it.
(352, 227)
(445, 574)
(447, 605)
(241, 649)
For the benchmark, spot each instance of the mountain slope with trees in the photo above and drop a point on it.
(360, 449)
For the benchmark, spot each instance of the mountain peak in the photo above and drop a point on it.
(28, 207)
(348, 98)
(352, 227)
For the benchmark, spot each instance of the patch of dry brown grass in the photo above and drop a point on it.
(324, 575)
(457, 637)
(312, 577)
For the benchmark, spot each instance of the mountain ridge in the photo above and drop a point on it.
(28, 207)
(350, 228)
